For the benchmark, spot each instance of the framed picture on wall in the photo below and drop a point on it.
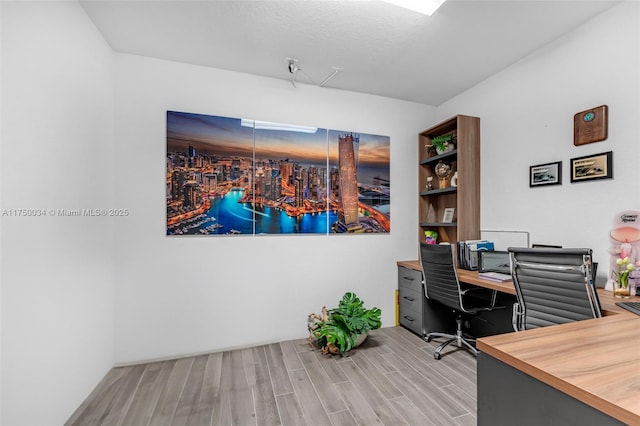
(545, 174)
(591, 167)
(233, 176)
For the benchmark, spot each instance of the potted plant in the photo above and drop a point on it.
(339, 330)
(621, 285)
(443, 143)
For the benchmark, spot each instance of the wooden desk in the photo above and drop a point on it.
(469, 277)
(593, 364)
(594, 361)
(607, 301)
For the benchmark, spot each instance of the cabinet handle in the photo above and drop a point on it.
(407, 317)
(410, 299)
(408, 278)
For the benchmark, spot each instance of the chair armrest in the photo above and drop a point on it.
(475, 289)
(516, 317)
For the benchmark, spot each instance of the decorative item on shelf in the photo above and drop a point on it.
(447, 217)
(454, 179)
(443, 143)
(339, 330)
(431, 214)
(621, 285)
(443, 171)
(429, 183)
(430, 237)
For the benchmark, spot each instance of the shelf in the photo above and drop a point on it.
(448, 190)
(446, 156)
(436, 224)
(465, 197)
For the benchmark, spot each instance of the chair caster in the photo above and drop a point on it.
(436, 355)
(428, 339)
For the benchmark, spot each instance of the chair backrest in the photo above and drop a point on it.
(553, 286)
(440, 276)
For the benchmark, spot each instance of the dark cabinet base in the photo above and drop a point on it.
(507, 396)
(497, 321)
(421, 315)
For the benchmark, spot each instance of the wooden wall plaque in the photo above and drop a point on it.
(590, 125)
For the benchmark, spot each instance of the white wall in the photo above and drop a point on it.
(527, 119)
(181, 295)
(57, 153)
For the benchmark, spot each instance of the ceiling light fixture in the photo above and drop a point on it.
(292, 66)
(426, 7)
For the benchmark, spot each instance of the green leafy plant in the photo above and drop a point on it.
(440, 143)
(338, 329)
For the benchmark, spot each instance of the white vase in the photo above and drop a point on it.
(448, 148)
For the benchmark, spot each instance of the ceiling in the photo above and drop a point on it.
(382, 49)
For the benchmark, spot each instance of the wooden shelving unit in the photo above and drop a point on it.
(465, 198)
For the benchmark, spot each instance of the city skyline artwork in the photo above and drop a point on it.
(233, 176)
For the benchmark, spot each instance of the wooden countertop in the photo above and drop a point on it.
(595, 361)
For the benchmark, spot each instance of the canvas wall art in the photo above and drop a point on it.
(233, 176)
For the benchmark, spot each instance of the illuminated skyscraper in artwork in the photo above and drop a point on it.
(192, 155)
(347, 146)
(178, 181)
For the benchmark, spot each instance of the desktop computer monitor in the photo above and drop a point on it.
(494, 261)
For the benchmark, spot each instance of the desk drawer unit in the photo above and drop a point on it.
(411, 298)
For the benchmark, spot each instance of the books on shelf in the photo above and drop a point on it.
(468, 252)
(495, 276)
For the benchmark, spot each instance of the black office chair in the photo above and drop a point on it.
(441, 285)
(553, 286)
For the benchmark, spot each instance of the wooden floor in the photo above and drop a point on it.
(392, 379)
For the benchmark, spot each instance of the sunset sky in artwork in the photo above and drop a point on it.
(227, 137)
